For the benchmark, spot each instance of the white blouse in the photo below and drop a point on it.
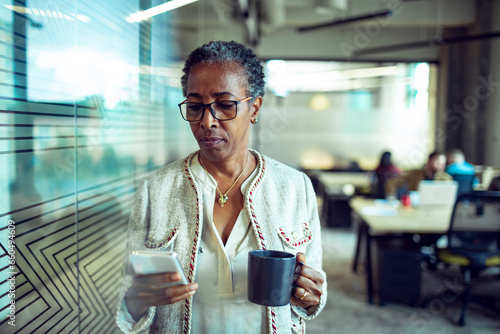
(220, 304)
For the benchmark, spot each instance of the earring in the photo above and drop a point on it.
(253, 121)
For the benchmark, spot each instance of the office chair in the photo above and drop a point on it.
(473, 238)
(465, 183)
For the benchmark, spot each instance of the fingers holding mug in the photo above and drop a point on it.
(301, 293)
(305, 293)
(308, 284)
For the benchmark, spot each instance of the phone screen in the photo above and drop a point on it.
(156, 262)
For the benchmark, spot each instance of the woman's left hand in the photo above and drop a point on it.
(309, 284)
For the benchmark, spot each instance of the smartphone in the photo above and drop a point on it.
(154, 262)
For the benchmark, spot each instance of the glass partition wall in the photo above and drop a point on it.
(88, 108)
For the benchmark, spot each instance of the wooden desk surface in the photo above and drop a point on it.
(359, 180)
(406, 219)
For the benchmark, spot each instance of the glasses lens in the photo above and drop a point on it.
(225, 110)
(192, 111)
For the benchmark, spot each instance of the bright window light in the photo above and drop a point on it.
(278, 66)
(286, 76)
(421, 78)
(148, 13)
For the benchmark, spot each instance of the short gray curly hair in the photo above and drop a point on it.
(225, 52)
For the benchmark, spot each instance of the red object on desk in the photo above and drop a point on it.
(405, 200)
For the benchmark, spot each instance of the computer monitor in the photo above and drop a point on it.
(437, 193)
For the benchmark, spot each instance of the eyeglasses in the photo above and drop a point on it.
(221, 110)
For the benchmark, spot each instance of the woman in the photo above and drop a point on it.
(216, 205)
(385, 171)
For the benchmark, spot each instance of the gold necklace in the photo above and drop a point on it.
(223, 197)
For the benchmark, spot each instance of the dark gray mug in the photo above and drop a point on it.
(270, 277)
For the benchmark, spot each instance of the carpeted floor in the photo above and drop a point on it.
(347, 312)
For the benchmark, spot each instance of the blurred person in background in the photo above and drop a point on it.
(432, 170)
(461, 171)
(385, 171)
(456, 164)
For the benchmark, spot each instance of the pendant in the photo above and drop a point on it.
(222, 200)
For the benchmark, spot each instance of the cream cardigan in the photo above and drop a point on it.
(167, 216)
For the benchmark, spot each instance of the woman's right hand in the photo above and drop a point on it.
(147, 290)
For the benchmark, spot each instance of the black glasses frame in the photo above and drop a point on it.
(212, 111)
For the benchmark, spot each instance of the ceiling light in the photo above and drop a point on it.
(153, 11)
(48, 13)
(319, 102)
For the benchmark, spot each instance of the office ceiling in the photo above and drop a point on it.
(272, 27)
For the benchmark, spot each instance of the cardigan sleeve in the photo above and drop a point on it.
(314, 252)
(136, 236)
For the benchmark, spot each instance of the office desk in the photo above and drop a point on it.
(377, 220)
(334, 179)
(337, 188)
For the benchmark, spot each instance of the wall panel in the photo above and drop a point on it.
(79, 130)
